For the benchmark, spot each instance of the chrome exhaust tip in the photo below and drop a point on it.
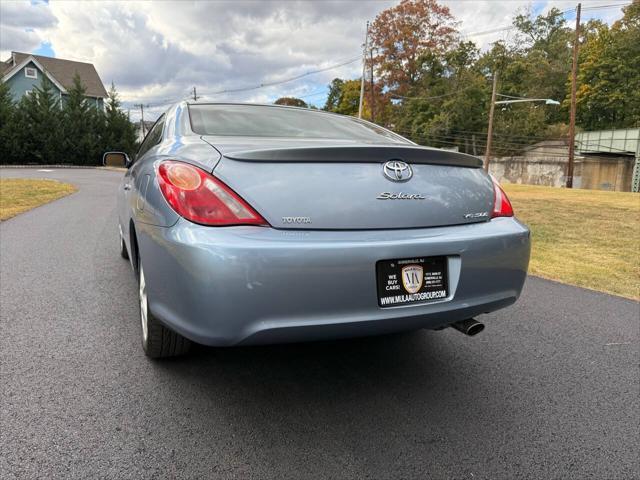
(469, 327)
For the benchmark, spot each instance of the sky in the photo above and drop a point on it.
(156, 52)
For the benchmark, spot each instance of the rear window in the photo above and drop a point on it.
(266, 121)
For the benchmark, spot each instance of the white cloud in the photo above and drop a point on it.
(21, 26)
(486, 15)
(157, 51)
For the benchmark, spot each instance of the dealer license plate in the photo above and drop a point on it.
(411, 280)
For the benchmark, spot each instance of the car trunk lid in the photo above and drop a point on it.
(311, 186)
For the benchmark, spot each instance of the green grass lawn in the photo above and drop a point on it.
(18, 195)
(588, 238)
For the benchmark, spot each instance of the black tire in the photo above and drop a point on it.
(159, 341)
(123, 249)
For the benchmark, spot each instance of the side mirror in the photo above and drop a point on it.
(116, 159)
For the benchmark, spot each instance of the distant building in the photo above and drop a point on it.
(24, 71)
(604, 160)
(623, 144)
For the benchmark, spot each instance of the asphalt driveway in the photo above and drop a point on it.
(551, 389)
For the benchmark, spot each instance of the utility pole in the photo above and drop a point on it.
(572, 113)
(373, 115)
(364, 66)
(144, 129)
(195, 97)
(487, 153)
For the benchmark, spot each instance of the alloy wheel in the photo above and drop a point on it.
(143, 305)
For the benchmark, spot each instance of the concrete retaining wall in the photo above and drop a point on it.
(596, 173)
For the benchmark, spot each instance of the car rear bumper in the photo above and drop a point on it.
(251, 285)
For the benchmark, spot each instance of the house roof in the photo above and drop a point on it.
(5, 66)
(61, 70)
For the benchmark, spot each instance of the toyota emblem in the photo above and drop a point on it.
(397, 171)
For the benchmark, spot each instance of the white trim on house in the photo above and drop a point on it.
(24, 63)
(31, 72)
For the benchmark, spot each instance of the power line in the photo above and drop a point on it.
(563, 13)
(487, 32)
(280, 82)
(459, 140)
(541, 137)
(431, 98)
(191, 93)
(548, 151)
(606, 7)
(319, 92)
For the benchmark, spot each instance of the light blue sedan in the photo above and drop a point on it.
(253, 224)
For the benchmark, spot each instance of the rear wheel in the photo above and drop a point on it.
(157, 340)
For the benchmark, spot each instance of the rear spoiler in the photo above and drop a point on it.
(358, 154)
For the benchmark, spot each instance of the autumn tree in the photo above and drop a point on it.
(350, 98)
(401, 35)
(344, 97)
(291, 102)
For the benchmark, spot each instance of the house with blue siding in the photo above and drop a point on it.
(24, 71)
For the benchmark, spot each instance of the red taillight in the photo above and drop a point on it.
(202, 198)
(501, 205)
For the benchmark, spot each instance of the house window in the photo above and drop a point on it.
(30, 72)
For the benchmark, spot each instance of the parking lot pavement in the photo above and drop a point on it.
(549, 390)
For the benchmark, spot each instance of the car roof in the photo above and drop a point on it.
(271, 105)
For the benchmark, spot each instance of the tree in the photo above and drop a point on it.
(42, 129)
(37, 126)
(541, 32)
(535, 64)
(449, 103)
(543, 50)
(291, 102)
(344, 97)
(349, 98)
(608, 94)
(81, 127)
(7, 111)
(399, 37)
(333, 98)
(119, 132)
